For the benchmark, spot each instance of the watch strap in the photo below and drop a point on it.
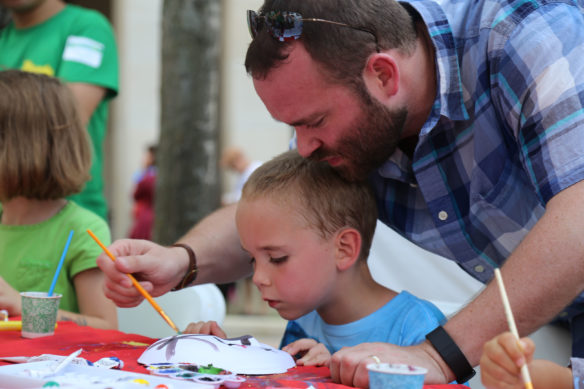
(192, 271)
(451, 354)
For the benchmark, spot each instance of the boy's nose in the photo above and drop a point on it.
(260, 278)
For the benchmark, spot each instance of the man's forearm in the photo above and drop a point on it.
(543, 275)
(215, 241)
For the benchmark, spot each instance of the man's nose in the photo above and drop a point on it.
(306, 144)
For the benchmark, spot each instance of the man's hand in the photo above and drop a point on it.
(313, 353)
(349, 365)
(157, 268)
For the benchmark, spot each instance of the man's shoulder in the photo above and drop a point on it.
(83, 13)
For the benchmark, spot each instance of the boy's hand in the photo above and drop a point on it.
(313, 353)
(205, 328)
(502, 360)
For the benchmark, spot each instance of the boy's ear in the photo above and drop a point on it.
(381, 76)
(348, 248)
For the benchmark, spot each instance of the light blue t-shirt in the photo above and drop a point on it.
(404, 321)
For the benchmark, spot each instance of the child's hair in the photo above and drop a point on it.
(45, 152)
(324, 199)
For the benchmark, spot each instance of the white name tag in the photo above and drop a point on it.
(83, 50)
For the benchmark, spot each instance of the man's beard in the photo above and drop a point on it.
(374, 137)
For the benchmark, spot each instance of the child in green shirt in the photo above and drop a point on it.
(45, 156)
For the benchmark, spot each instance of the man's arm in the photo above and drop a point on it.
(88, 97)
(543, 275)
(214, 240)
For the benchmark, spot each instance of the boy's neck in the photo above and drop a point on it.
(357, 295)
(23, 211)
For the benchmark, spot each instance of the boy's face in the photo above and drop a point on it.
(294, 269)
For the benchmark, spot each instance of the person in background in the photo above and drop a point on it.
(45, 155)
(234, 159)
(144, 190)
(77, 46)
(322, 286)
(504, 355)
(468, 119)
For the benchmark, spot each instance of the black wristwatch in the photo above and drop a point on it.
(451, 354)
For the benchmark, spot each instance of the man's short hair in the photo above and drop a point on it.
(342, 52)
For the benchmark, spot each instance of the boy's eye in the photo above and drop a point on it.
(278, 260)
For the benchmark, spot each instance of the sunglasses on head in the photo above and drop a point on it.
(287, 25)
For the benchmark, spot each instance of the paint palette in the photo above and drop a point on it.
(200, 374)
(34, 375)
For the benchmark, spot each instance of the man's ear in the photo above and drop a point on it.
(348, 248)
(381, 76)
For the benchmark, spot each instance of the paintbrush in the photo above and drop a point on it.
(137, 285)
(512, 326)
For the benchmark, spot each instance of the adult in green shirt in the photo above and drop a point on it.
(76, 45)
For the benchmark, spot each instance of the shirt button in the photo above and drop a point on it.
(442, 215)
(479, 268)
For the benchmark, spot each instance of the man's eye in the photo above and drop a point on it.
(315, 124)
(278, 260)
(252, 260)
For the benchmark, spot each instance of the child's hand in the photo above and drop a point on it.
(502, 360)
(313, 353)
(9, 298)
(205, 328)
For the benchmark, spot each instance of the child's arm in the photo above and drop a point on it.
(95, 309)
(205, 328)
(502, 360)
(313, 353)
(9, 298)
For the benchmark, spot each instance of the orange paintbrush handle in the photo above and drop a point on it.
(137, 285)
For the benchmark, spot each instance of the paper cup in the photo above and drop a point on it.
(395, 376)
(39, 314)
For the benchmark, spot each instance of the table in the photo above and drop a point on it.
(98, 344)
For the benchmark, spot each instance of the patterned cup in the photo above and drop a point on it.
(395, 376)
(39, 314)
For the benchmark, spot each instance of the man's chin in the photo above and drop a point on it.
(351, 174)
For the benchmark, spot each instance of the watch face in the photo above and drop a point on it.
(244, 355)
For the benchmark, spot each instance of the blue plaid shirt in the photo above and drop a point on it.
(505, 135)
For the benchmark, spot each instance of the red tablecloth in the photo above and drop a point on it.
(98, 344)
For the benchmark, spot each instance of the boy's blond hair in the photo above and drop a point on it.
(45, 152)
(321, 196)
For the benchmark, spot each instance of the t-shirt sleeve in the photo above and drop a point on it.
(84, 249)
(422, 318)
(539, 86)
(90, 53)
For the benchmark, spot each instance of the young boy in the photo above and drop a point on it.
(308, 232)
(503, 358)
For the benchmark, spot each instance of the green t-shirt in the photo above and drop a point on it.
(75, 45)
(29, 254)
